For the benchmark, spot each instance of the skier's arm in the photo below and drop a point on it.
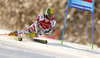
(37, 28)
(37, 25)
(39, 19)
(53, 23)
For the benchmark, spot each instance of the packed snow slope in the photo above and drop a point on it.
(10, 48)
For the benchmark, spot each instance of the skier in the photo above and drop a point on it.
(44, 25)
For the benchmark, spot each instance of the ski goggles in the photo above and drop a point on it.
(51, 16)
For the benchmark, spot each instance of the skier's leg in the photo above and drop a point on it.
(18, 33)
(23, 31)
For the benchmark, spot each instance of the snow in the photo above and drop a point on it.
(10, 48)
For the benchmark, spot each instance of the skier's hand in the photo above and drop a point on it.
(38, 31)
(14, 33)
(46, 32)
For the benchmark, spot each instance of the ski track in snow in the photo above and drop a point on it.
(10, 48)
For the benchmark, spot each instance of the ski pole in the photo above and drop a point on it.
(9, 34)
(3, 34)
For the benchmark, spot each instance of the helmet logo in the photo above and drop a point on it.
(51, 11)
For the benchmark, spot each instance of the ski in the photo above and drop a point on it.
(39, 40)
(16, 38)
(30, 36)
(33, 39)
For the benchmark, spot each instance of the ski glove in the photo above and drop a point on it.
(38, 31)
(47, 32)
(14, 33)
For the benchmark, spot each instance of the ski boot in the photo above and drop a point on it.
(14, 33)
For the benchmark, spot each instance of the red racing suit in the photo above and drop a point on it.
(43, 23)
